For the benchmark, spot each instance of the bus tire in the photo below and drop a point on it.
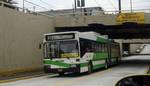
(45, 70)
(61, 74)
(90, 67)
(106, 64)
(117, 60)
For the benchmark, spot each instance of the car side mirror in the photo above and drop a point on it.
(138, 80)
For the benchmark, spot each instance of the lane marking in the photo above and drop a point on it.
(65, 82)
(73, 80)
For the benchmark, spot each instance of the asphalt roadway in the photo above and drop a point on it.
(132, 65)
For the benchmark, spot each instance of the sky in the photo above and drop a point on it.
(107, 5)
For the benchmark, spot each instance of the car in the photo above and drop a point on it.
(138, 51)
(141, 47)
(136, 80)
(125, 53)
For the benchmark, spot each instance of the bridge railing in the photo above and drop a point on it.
(99, 13)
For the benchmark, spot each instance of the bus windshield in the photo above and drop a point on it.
(68, 49)
(62, 49)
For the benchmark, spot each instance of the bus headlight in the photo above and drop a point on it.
(73, 65)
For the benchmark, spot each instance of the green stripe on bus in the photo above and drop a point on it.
(57, 63)
(100, 56)
(83, 64)
(98, 66)
(99, 39)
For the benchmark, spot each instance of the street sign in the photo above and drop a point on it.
(131, 17)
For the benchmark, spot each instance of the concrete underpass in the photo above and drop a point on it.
(21, 34)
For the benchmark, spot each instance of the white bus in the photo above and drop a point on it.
(77, 52)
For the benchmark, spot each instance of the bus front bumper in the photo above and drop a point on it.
(61, 70)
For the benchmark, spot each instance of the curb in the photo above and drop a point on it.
(22, 78)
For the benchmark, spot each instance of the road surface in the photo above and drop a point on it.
(130, 66)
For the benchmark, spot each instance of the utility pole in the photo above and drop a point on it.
(75, 4)
(131, 5)
(23, 5)
(119, 6)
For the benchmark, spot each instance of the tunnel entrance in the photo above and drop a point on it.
(135, 49)
(135, 46)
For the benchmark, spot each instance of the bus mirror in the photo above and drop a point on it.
(40, 46)
(137, 80)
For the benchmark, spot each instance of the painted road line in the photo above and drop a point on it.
(70, 81)
(22, 78)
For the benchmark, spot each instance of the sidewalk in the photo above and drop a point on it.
(20, 76)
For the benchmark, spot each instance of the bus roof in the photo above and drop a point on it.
(86, 35)
(62, 32)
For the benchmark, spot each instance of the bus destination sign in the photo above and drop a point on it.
(59, 37)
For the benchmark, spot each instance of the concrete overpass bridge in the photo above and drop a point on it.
(129, 35)
(124, 31)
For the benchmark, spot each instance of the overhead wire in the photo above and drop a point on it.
(46, 3)
(109, 2)
(139, 1)
(112, 4)
(97, 3)
(36, 5)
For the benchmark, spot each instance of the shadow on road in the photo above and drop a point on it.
(73, 75)
(127, 62)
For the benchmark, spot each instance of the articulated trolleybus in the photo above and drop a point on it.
(77, 52)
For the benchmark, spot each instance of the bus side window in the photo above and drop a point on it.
(82, 47)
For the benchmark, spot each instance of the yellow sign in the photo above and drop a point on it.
(69, 55)
(131, 17)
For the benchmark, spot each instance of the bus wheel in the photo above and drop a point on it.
(117, 61)
(106, 64)
(61, 74)
(89, 68)
(45, 70)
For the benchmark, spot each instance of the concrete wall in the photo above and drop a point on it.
(61, 21)
(20, 35)
(107, 19)
(147, 18)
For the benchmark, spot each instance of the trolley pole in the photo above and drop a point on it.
(119, 4)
